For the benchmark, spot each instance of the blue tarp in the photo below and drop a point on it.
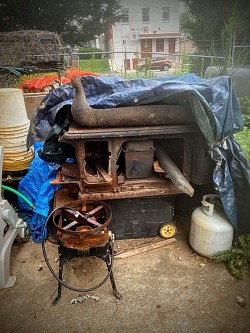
(213, 103)
(36, 187)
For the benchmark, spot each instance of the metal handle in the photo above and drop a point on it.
(208, 202)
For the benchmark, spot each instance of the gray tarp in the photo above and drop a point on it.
(213, 103)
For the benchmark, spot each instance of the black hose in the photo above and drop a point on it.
(53, 272)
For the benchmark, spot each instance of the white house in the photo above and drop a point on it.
(147, 27)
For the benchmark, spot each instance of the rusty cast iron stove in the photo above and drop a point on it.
(132, 152)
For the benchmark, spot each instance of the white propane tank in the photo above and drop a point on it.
(210, 230)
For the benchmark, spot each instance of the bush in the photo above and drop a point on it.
(237, 258)
(243, 138)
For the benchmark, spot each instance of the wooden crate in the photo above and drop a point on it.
(32, 100)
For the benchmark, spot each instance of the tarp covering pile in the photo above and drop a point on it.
(36, 187)
(213, 103)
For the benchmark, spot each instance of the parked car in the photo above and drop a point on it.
(162, 64)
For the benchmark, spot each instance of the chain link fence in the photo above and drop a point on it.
(206, 64)
(136, 64)
(130, 64)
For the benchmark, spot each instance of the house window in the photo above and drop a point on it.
(125, 15)
(145, 14)
(160, 45)
(165, 13)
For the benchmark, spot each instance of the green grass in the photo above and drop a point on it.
(243, 138)
(95, 65)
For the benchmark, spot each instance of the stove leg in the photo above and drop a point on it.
(112, 280)
(59, 288)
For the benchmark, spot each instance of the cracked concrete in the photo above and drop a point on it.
(167, 290)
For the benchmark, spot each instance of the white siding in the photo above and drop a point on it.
(154, 29)
(156, 25)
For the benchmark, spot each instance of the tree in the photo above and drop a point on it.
(206, 20)
(77, 21)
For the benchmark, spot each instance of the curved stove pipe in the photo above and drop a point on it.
(128, 116)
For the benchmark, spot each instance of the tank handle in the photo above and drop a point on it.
(208, 202)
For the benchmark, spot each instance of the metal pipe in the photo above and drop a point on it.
(143, 115)
(173, 172)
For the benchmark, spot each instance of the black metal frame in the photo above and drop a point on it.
(101, 252)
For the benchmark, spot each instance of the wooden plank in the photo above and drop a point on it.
(145, 248)
(103, 173)
(76, 131)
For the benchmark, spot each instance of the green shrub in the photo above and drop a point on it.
(237, 258)
(243, 138)
(245, 109)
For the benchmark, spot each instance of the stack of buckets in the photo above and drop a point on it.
(14, 126)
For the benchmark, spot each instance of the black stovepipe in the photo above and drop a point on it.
(53, 272)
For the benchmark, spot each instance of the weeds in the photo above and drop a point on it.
(237, 258)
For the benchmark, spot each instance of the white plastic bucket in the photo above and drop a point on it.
(14, 126)
(12, 106)
(17, 161)
(14, 139)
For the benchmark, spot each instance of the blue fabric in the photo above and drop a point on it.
(36, 187)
